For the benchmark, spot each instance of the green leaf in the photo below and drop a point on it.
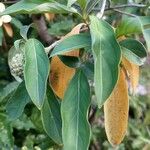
(74, 42)
(24, 31)
(74, 111)
(23, 123)
(129, 25)
(88, 69)
(107, 53)
(17, 45)
(36, 7)
(132, 57)
(1, 36)
(6, 132)
(36, 119)
(17, 102)
(144, 20)
(70, 61)
(82, 3)
(8, 90)
(70, 2)
(90, 5)
(36, 71)
(51, 117)
(146, 33)
(145, 27)
(135, 46)
(133, 25)
(134, 51)
(17, 23)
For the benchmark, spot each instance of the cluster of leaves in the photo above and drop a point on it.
(139, 123)
(67, 121)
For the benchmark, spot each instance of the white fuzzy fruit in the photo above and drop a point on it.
(16, 65)
(4, 18)
(2, 7)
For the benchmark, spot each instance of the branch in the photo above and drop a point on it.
(100, 14)
(126, 5)
(125, 13)
(122, 6)
(42, 29)
(116, 9)
(10, 2)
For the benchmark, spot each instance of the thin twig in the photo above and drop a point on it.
(10, 2)
(116, 9)
(122, 6)
(50, 48)
(126, 5)
(108, 4)
(125, 13)
(42, 29)
(100, 14)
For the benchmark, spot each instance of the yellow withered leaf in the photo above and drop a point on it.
(8, 29)
(133, 73)
(60, 74)
(121, 38)
(116, 111)
(49, 16)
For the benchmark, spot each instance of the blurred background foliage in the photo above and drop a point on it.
(27, 133)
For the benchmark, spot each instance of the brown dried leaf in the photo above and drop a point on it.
(116, 111)
(49, 16)
(8, 29)
(133, 73)
(61, 74)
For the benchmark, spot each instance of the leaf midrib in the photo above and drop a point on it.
(78, 95)
(56, 129)
(36, 68)
(101, 79)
